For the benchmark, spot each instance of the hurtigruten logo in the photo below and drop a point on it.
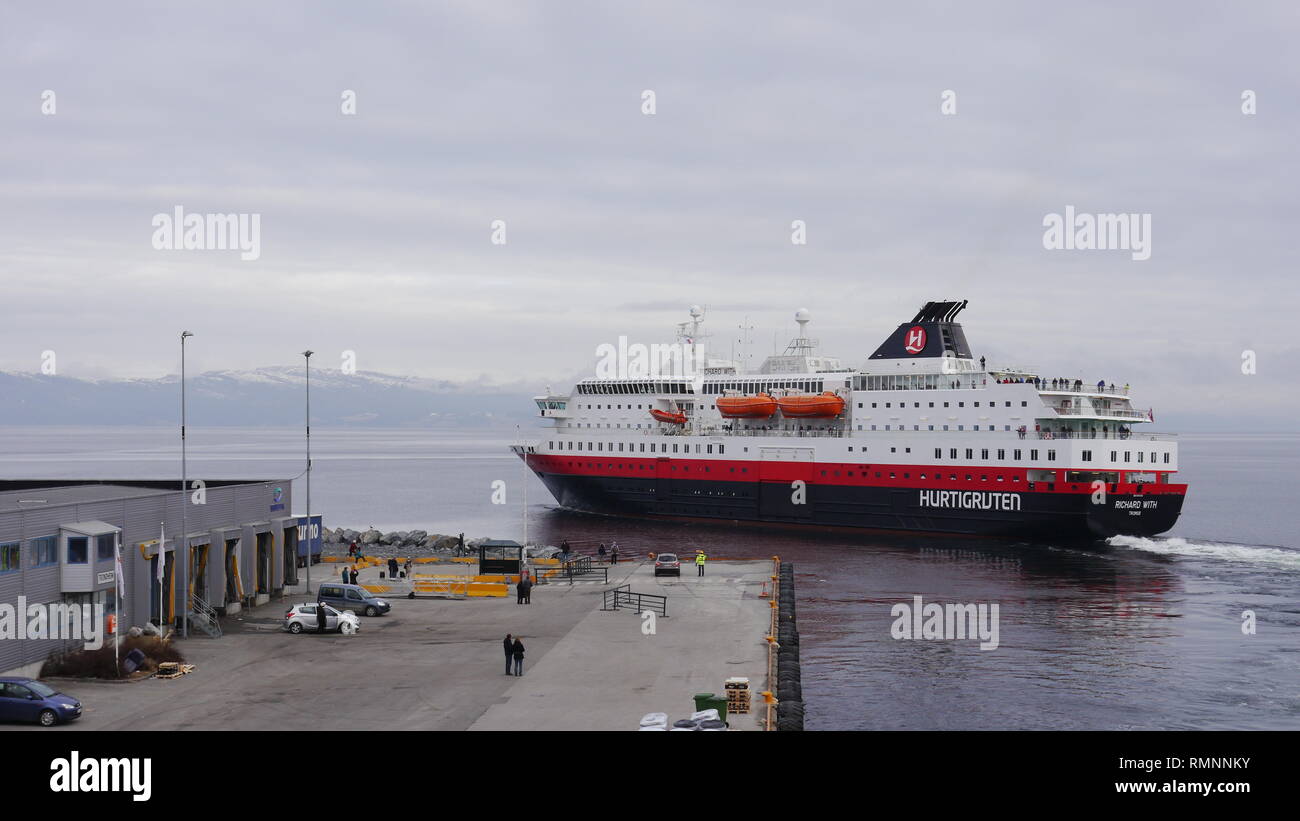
(970, 500)
(915, 342)
(1098, 232)
(126, 775)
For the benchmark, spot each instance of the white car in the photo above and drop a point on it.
(302, 618)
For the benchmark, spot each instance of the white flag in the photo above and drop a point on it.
(117, 565)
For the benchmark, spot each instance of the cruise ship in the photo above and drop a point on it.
(920, 438)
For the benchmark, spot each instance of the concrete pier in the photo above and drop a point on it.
(437, 664)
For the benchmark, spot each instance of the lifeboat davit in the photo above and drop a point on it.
(746, 407)
(825, 406)
(669, 417)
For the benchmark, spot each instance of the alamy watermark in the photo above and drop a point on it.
(946, 622)
(1098, 232)
(679, 360)
(53, 621)
(179, 231)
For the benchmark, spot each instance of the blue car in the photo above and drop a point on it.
(26, 699)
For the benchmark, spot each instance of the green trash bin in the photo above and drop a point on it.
(709, 701)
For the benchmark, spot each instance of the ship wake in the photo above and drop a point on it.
(1224, 551)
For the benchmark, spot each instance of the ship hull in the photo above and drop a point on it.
(973, 513)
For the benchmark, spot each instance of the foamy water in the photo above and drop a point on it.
(1226, 551)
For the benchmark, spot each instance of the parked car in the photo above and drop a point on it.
(352, 597)
(26, 699)
(302, 617)
(667, 563)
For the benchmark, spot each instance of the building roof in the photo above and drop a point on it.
(23, 495)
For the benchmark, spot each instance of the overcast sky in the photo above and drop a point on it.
(376, 227)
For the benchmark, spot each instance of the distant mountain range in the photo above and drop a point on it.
(270, 396)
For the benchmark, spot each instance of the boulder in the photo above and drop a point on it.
(371, 537)
(416, 537)
(388, 538)
(327, 535)
(446, 543)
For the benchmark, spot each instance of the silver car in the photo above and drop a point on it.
(302, 617)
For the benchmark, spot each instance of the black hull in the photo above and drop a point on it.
(1042, 514)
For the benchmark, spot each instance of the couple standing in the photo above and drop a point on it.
(514, 652)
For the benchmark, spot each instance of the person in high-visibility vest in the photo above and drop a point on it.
(699, 562)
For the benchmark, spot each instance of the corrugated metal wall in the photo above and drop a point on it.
(235, 511)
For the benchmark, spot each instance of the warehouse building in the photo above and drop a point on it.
(58, 540)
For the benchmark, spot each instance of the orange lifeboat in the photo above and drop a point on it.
(666, 416)
(811, 406)
(746, 407)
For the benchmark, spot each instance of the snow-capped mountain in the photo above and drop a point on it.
(263, 396)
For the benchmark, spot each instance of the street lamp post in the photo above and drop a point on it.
(307, 367)
(185, 541)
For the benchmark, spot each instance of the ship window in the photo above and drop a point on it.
(984, 453)
(888, 405)
(1086, 456)
(1033, 455)
(977, 404)
(1015, 478)
(1015, 454)
(945, 404)
(1126, 453)
(1024, 404)
(893, 450)
(1008, 405)
(932, 404)
(952, 453)
(722, 449)
(970, 453)
(938, 453)
(891, 474)
(1166, 458)
(952, 476)
(873, 404)
(961, 404)
(1113, 455)
(1140, 455)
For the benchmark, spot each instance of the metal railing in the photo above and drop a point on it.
(623, 597)
(1141, 436)
(1117, 413)
(581, 566)
(204, 617)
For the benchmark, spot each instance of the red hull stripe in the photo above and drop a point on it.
(937, 476)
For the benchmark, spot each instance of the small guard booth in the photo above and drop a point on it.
(500, 557)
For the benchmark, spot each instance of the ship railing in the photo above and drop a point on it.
(1094, 389)
(1117, 413)
(1137, 436)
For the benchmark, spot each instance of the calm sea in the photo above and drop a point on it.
(1125, 634)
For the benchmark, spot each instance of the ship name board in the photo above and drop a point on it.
(970, 499)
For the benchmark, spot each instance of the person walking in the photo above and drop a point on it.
(320, 616)
(699, 562)
(519, 591)
(601, 551)
(407, 569)
(527, 583)
(352, 549)
(354, 575)
(392, 567)
(517, 650)
(613, 555)
(509, 645)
